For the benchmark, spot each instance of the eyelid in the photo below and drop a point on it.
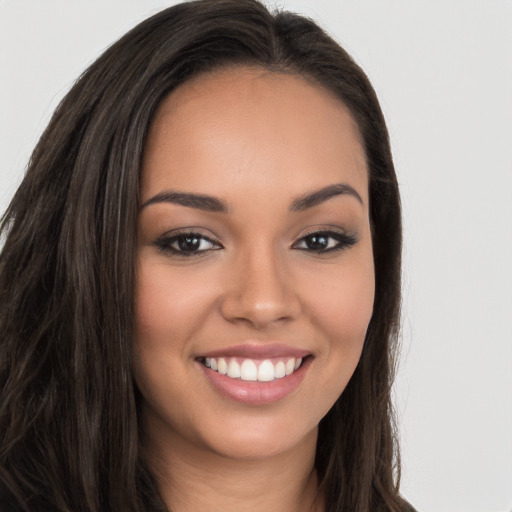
(164, 241)
(344, 239)
(322, 228)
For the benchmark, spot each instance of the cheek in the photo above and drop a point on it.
(169, 304)
(167, 309)
(343, 303)
(341, 306)
(348, 311)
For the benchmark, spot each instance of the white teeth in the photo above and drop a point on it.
(279, 370)
(233, 369)
(222, 366)
(266, 371)
(248, 370)
(251, 370)
(290, 366)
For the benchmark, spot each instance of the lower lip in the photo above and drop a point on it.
(255, 392)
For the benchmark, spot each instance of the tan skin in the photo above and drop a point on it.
(260, 271)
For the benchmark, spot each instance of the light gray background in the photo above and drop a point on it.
(443, 72)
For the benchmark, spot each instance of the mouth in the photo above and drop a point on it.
(250, 369)
(255, 374)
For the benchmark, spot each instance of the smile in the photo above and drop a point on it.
(255, 373)
(265, 370)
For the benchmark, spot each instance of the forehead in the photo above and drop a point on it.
(252, 126)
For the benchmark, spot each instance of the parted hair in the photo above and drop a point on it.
(69, 429)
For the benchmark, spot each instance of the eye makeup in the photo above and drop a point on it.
(325, 241)
(186, 243)
(191, 242)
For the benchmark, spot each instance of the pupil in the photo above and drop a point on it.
(317, 241)
(189, 243)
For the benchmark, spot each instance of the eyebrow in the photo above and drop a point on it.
(319, 196)
(213, 204)
(199, 201)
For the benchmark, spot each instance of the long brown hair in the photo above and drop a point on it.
(68, 409)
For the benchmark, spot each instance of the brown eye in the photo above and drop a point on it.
(190, 243)
(325, 241)
(319, 242)
(186, 244)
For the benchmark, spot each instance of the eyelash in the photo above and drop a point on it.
(165, 243)
(343, 240)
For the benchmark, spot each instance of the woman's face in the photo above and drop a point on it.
(254, 257)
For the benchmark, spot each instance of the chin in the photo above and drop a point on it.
(260, 440)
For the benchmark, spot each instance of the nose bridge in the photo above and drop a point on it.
(259, 291)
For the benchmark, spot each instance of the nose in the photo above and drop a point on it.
(260, 291)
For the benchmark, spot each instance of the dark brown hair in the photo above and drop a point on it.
(69, 437)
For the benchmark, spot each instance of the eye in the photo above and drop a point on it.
(325, 241)
(186, 244)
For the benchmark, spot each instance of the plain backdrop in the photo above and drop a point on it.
(443, 72)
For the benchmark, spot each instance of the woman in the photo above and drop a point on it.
(200, 281)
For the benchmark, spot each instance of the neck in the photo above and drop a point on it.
(191, 479)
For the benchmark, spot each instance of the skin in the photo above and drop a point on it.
(256, 140)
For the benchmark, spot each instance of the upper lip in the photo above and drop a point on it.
(260, 350)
